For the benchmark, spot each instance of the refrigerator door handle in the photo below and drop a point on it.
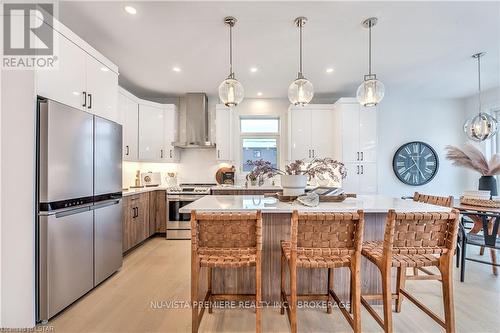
(106, 203)
(72, 212)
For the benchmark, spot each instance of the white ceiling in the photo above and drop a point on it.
(422, 48)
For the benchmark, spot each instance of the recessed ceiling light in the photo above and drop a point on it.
(176, 69)
(253, 69)
(329, 70)
(131, 10)
(259, 94)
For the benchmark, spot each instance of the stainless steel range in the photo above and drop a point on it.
(178, 225)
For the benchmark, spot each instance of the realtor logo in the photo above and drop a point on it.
(28, 37)
(24, 31)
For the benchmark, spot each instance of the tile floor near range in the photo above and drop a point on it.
(159, 271)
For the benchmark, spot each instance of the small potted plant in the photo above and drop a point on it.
(296, 174)
(472, 158)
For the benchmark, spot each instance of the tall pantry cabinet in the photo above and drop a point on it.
(356, 145)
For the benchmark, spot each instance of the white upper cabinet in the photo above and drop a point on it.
(65, 84)
(129, 110)
(79, 78)
(102, 86)
(171, 154)
(151, 133)
(310, 132)
(300, 134)
(358, 148)
(223, 133)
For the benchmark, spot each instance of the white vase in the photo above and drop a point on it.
(293, 184)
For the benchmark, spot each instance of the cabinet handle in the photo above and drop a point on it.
(170, 153)
(357, 166)
(314, 153)
(90, 101)
(161, 153)
(362, 170)
(309, 153)
(84, 99)
(218, 153)
(362, 156)
(137, 210)
(127, 150)
(134, 216)
(357, 153)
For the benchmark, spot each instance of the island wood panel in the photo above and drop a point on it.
(243, 191)
(276, 227)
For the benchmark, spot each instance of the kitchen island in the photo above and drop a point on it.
(276, 227)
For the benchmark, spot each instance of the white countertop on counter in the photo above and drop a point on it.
(243, 188)
(369, 203)
(132, 191)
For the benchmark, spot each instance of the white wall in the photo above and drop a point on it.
(437, 122)
(17, 220)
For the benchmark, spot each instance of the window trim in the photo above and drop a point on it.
(259, 135)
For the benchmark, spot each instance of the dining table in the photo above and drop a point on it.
(483, 219)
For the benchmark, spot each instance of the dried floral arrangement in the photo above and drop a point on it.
(472, 158)
(317, 167)
(252, 176)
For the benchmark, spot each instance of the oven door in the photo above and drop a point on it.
(179, 225)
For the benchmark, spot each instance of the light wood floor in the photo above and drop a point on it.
(160, 271)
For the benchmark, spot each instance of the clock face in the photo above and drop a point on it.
(415, 163)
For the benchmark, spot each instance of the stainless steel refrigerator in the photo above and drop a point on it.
(79, 210)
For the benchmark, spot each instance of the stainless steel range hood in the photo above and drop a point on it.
(196, 123)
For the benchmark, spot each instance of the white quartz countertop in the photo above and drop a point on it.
(249, 188)
(368, 203)
(132, 191)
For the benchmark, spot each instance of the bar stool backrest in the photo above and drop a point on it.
(327, 230)
(421, 233)
(226, 230)
(433, 199)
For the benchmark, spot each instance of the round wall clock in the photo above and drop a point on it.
(415, 163)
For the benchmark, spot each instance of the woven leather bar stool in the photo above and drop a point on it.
(225, 240)
(323, 240)
(414, 240)
(438, 201)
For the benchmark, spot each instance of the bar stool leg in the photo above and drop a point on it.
(258, 296)
(400, 284)
(351, 301)
(445, 266)
(293, 296)
(209, 288)
(355, 306)
(194, 294)
(387, 297)
(282, 283)
(329, 301)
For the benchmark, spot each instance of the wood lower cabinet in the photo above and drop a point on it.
(136, 220)
(157, 212)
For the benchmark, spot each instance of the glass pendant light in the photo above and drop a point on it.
(231, 91)
(371, 91)
(482, 126)
(300, 91)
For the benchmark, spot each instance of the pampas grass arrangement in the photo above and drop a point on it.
(472, 158)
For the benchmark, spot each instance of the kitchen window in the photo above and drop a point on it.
(259, 140)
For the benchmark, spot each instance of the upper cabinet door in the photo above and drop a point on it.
(223, 125)
(171, 118)
(130, 119)
(368, 134)
(66, 83)
(350, 133)
(102, 90)
(151, 133)
(322, 133)
(300, 134)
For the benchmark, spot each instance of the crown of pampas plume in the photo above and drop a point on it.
(472, 158)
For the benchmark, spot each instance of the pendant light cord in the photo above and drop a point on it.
(370, 50)
(479, 82)
(230, 50)
(300, 49)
